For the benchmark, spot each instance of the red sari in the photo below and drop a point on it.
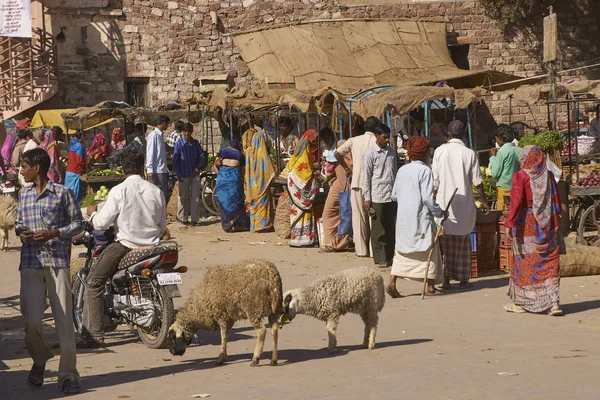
(534, 275)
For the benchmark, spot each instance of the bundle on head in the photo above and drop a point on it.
(249, 289)
(8, 212)
(357, 290)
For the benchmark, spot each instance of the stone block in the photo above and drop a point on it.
(176, 20)
(157, 11)
(130, 29)
(172, 5)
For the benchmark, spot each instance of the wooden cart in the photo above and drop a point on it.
(587, 213)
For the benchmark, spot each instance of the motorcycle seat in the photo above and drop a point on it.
(141, 253)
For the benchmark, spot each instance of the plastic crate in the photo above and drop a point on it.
(474, 271)
(506, 256)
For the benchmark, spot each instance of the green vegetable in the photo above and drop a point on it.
(549, 141)
(88, 200)
(284, 318)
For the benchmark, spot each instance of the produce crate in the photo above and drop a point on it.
(487, 237)
(506, 255)
(503, 238)
(474, 271)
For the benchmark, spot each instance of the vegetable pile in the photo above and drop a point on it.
(565, 149)
(105, 172)
(549, 141)
(88, 200)
(490, 191)
(101, 194)
(592, 180)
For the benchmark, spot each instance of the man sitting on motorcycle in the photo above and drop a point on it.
(138, 211)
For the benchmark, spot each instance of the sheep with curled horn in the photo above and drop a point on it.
(8, 212)
(247, 290)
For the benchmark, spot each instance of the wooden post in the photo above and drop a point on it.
(550, 55)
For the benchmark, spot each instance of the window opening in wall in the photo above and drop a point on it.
(460, 55)
(136, 90)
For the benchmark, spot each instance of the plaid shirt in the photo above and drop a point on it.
(55, 208)
(173, 138)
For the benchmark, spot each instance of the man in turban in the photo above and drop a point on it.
(415, 226)
(455, 166)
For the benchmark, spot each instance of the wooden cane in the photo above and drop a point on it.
(435, 239)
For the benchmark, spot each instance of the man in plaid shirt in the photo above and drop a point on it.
(47, 217)
(174, 136)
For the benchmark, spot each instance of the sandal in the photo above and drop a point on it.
(36, 376)
(513, 308)
(557, 312)
(70, 386)
(393, 292)
(447, 286)
(435, 292)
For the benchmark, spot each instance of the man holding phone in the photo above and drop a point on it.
(48, 216)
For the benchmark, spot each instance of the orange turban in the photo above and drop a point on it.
(417, 147)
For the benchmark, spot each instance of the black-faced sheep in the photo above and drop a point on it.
(8, 212)
(249, 289)
(357, 290)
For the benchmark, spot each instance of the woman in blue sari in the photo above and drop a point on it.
(230, 188)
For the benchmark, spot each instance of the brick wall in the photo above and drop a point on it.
(174, 42)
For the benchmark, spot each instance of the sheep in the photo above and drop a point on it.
(356, 290)
(8, 212)
(249, 289)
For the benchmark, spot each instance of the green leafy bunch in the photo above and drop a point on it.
(549, 141)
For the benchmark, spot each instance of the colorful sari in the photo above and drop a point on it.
(75, 168)
(535, 221)
(49, 144)
(7, 149)
(302, 187)
(118, 139)
(259, 173)
(230, 191)
(99, 150)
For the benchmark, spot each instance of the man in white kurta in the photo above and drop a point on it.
(415, 226)
(456, 167)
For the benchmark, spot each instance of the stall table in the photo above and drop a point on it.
(93, 183)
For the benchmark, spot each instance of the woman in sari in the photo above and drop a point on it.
(118, 139)
(533, 222)
(302, 188)
(75, 166)
(49, 144)
(230, 188)
(99, 150)
(8, 147)
(259, 173)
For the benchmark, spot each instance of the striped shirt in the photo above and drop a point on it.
(379, 174)
(172, 139)
(55, 208)
(187, 157)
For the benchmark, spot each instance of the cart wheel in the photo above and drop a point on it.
(588, 231)
(208, 189)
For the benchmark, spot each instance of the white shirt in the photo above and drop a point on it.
(357, 145)
(138, 210)
(456, 166)
(413, 190)
(379, 173)
(30, 145)
(156, 153)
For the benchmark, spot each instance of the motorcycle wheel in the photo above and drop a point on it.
(77, 313)
(156, 336)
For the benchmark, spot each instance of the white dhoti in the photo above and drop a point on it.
(412, 265)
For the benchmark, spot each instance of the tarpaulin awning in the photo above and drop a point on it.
(89, 117)
(354, 55)
(51, 118)
(531, 94)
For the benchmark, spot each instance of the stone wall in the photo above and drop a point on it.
(174, 42)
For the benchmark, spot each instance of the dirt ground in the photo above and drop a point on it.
(460, 346)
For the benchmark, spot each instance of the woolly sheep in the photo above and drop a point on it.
(357, 290)
(249, 289)
(8, 212)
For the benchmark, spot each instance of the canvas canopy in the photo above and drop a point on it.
(51, 118)
(531, 94)
(354, 55)
(88, 117)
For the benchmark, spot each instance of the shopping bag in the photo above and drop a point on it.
(345, 226)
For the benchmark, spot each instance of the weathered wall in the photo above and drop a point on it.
(174, 42)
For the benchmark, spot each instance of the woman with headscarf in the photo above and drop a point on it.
(259, 173)
(118, 139)
(230, 188)
(49, 144)
(302, 188)
(99, 150)
(533, 222)
(75, 165)
(331, 213)
(415, 226)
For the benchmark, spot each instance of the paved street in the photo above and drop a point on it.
(461, 346)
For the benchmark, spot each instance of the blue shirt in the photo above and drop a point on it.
(187, 157)
(55, 208)
(156, 154)
(413, 190)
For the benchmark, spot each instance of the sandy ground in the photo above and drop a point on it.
(460, 346)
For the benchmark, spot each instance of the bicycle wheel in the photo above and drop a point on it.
(208, 190)
(588, 231)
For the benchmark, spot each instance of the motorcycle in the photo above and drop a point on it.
(140, 293)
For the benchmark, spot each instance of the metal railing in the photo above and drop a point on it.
(27, 69)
